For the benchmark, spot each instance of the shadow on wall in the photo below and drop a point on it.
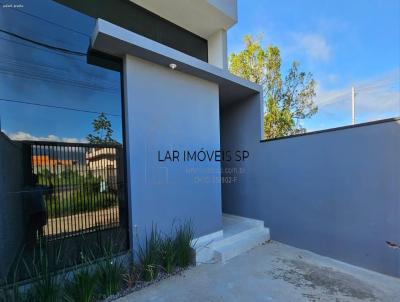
(335, 192)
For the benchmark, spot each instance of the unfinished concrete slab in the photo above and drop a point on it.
(273, 272)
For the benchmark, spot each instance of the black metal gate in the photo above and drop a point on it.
(79, 189)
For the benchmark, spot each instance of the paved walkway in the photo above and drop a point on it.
(273, 272)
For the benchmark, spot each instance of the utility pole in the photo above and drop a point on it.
(353, 105)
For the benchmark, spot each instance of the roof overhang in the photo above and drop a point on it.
(202, 17)
(117, 41)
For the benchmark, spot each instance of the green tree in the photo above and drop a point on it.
(102, 131)
(288, 100)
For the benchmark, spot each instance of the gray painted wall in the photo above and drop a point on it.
(167, 110)
(11, 206)
(335, 193)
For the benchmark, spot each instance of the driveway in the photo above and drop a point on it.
(273, 272)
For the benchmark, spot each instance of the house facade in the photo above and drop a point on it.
(174, 101)
(192, 141)
(162, 72)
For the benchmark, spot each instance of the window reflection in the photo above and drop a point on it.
(61, 192)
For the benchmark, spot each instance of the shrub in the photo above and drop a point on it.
(9, 289)
(184, 235)
(11, 294)
(131, 277)
(149, 255)
(79, 201)
(46, 287)
(81, 288)
(168, 254)
(110, 274)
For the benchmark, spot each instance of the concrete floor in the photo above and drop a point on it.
(273, 272)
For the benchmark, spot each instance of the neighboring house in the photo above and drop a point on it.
(102, 162)
(101, 157)
(56, 166)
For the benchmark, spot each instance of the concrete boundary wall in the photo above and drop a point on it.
(336, 193)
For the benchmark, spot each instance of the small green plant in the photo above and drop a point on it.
(11, 294)
(110, 274)
(110, 271)
(168, 254)
(81, 288)
(131, 277)
(184, 235)
(9, 289)
(46, 285)
(149, 255)
(45, 289)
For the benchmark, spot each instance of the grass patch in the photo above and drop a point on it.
(184, 234)
(149, 255)
(168, 254)
(47, 285)
(110, 275)
(94, 280)
(79, 201)
(81, 288)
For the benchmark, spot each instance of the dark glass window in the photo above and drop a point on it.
(61, 159)
(135, 18)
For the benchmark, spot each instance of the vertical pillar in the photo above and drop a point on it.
(217, 49)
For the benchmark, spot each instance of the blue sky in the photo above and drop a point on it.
(31, 73)
(342, 43)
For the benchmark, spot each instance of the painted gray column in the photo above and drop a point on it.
(169, 110)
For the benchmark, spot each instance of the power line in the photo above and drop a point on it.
(378, 86)
(334, 99)
(365, 89)
(20, 71)
(48, 21)
(56, 107)
(52, 73)
(55, 78)
(69, 83)
(44, 50)
(21, 62)
(44, 68)
(60, 49)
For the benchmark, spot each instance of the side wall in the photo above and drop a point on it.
(11, 202)
(168, 110)
(336, 193)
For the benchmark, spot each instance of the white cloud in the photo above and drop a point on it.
(20, 136)
(315, 46)
(332, 78)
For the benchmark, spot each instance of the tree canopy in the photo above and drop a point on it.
(288, 100)
(102, 131)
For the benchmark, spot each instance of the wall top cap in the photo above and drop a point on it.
(119, 42)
